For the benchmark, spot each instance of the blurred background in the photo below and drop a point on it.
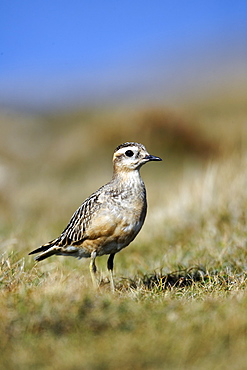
(77, 53)
(78, 78)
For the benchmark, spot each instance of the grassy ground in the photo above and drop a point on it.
(181, 300)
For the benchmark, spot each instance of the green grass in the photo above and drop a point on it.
(180, 300)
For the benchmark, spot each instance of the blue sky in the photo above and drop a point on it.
(59, 52)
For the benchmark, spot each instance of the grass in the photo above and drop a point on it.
(181, 300)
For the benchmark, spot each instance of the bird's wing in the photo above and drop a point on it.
(76, 230)
(88, 222)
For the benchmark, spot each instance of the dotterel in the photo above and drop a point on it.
(110, 218)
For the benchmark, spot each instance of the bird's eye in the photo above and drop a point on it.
(129, 153)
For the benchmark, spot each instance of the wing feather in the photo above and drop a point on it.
(76, 229)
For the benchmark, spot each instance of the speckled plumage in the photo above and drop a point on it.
(110, 218)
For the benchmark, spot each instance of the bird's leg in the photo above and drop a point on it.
(93, 269)
(110, 269)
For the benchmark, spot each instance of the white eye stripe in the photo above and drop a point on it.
(124, 150)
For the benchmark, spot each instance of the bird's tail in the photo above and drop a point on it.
(46, 250)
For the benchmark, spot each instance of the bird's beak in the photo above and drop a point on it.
(152, 158)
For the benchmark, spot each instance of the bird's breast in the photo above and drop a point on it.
(115, 226)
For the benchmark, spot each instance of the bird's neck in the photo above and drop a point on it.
(129, 178)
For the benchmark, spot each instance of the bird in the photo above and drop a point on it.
(109, 219)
